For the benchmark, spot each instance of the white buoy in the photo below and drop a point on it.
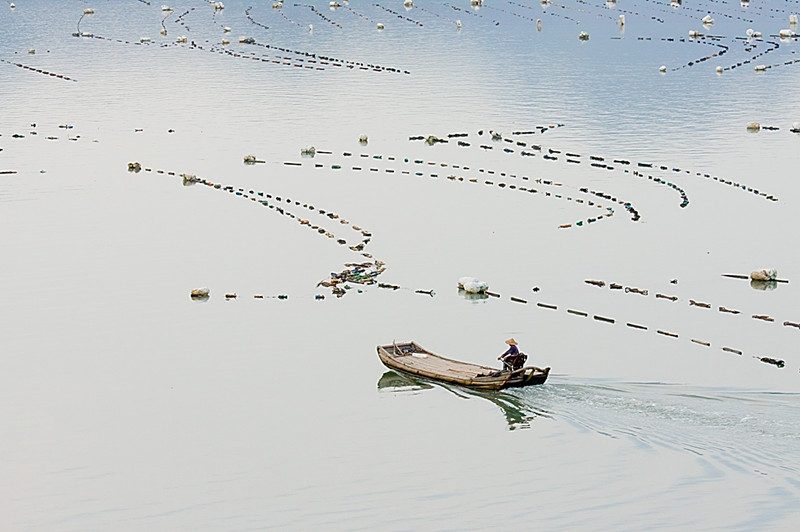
(760, 68)
(11, 5)
(163, 31)
(538, 24)
(380, 25)
(583, 36)
(87, 11)
(795, 127)
(785, 34)
(226, 29)
(694, 34)
(225, 41)
(662, 68)
(363, 139)
(756, 35)
(32, 51)
(458, 24)
(181, 39)
(166, 8)
(793, 19)
(408, 3)
(749, 32)
(622, 20)
(707, 20)
(719, 70)
(311, 28)
(144, 39)
(753, 126)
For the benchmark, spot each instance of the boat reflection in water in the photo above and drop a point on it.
(518, 413)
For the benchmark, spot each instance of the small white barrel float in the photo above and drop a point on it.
(473, 285)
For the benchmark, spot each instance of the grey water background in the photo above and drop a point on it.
(128, 406)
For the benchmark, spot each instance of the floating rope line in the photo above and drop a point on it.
(316, 12)
(632, 325)
(334, 62)
(650, 165)
(163, 19)
(307, 60)
(705, 40)
(399, 15)
(254, 21)
(281, 205)
(692, 302)
(39, 71)
(424, 10)
(545, 12)
(749, 46)
(453, 177)
(470, 13)
(360, 15)
(768, 11)
(551, 155)
(79, 21)
(702, 12)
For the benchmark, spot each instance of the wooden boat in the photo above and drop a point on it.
(409, 357)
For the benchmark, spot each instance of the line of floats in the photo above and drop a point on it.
(750, 42)
(472, 288)
(638, 169)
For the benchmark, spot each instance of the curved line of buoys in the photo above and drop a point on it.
(502, 184)
(655, 166)
(281, 205)
(254, 21)
(551, 155)
(704, 11)
(320, 15)
(749, 47)
(705, 40)
(301, 59)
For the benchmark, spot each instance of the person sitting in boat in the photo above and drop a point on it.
(512, 359)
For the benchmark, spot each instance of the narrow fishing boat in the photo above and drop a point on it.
(411, 358)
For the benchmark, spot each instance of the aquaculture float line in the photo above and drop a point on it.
(601, 162)
(308, 60)
(692, 302)
(660, 332)
(398, 15)
(39, 70)
(452, 177)
(281, 205)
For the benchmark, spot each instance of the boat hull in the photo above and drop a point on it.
(412, 359)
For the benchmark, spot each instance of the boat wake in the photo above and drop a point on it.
(740, 430)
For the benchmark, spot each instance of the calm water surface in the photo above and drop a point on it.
(128, 406)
